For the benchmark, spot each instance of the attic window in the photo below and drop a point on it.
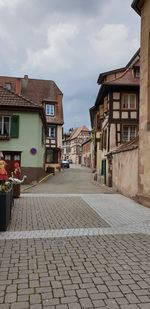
(8, 86)
(50, 111)
(136, 72)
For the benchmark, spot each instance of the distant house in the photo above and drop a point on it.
(66, 146)
(142, 7)
(115, 115)
(74, 143)
(87, 153)
(22, 134)
(43, 93)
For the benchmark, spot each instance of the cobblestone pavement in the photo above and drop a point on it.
(72, 273)
(75, 251)
(53, 212)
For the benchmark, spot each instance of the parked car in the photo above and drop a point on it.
(65, 164)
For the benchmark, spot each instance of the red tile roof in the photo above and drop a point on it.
(12, 101)
(9, 98)
(37, 91)
(77, 131)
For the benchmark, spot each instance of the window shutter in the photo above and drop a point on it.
(14, 126)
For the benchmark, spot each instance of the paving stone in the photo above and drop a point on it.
(20, 305)
(132, 298)
(81, 293)
(36, 306)
(74, 306)
(98, 303)
(85, 302)
(144, 306)
(67, 300)
(10, 298)
(35, 299)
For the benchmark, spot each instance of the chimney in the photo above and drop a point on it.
(18, 86)
(25, 81)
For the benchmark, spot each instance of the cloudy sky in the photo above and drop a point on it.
(70, 42)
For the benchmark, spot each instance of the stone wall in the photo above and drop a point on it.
(125, 172)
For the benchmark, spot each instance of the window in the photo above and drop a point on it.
(5, 125)
(129, 101)
(7, 157)
(49, 110)
(128, 133)
(136, 72)
(8, 86)
(49, 156)
(17, 157)
(51, 132)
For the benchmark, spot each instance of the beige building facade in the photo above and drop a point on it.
(142, 7)
(125, 168)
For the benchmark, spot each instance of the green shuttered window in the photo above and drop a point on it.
(14, 126)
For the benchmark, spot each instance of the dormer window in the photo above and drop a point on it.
(136, 72)
(50, 110)
(8, 86)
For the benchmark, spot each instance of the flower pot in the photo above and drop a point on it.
(16, 190)
(6, 202)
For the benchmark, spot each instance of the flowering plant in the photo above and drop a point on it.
(4, 185)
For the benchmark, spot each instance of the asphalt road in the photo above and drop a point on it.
(75, 179)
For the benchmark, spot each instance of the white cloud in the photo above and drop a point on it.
(68, 42)
(58, 55)
(111, 45)
(9, 3)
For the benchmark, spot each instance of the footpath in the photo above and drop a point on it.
(74, 251)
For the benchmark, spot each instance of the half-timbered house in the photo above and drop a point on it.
(115, 115)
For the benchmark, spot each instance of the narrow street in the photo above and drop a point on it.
(74, 244)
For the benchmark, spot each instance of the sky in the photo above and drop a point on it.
(70, 42)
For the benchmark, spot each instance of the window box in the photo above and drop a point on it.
(6, 201)
(4, 137)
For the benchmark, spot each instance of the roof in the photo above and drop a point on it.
(121, 78)
(77, 131)
(10, 98)
(130, 145)
(122, 71)
(136, 5)
(87, 141)
(12, 101)
(37, 91)
(92, 113)
(102, 75)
